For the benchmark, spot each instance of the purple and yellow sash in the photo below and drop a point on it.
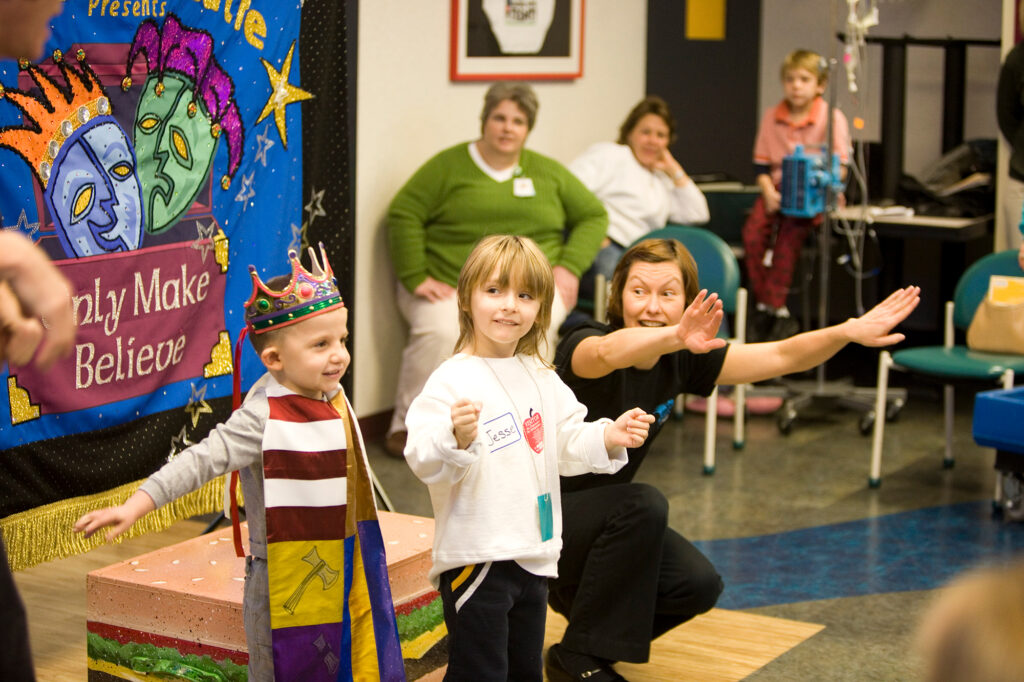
(331, 613)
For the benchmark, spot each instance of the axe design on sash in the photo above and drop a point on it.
(321, 570)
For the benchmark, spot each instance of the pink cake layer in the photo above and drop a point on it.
(193, 590)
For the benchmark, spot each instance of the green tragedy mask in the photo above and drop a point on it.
(174, 145)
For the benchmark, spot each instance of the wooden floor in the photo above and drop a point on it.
(718, 646)
(54, 596)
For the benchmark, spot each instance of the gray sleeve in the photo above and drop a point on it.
(232, 445)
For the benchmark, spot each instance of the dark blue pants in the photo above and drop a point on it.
(495, 615)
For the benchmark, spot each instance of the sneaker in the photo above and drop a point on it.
(568, 666)
(726, 407)
(764, 404)
(759, 326)
(394, 444)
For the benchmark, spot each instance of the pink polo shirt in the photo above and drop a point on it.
(778, 137)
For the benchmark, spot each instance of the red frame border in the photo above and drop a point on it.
(453, 55)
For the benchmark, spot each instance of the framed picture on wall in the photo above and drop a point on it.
(516, 40)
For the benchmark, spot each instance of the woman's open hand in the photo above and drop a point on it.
(874, 328)
(700, 322)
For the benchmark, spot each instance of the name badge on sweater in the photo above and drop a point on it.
(523, 187)
(500, 432)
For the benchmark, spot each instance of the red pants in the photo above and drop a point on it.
(770, 285)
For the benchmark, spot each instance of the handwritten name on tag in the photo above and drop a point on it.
(500, 432)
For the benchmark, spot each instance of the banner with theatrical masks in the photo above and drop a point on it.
(154, 154)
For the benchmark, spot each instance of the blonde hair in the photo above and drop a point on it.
(518, 262)
(805, 59)
(651, 251)
(973, 631)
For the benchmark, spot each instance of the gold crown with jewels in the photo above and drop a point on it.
(309, 293)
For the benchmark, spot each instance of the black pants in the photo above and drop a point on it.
(16, 659)
(625, 577)
(495, 615)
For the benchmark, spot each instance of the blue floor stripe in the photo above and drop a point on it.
(916, 550)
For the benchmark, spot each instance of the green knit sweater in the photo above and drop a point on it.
(449, 204)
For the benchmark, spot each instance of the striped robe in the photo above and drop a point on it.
(331, 612)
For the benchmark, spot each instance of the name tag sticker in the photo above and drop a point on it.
(523, 187)
(500, 432)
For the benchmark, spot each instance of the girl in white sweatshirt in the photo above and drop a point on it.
(490, 434)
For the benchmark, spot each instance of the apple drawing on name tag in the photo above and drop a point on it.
(533, 427)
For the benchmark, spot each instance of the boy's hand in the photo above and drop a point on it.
(772, 200)
(700, 322)
(629, 430)
(873, 327)
(465, 414)
(120, 517)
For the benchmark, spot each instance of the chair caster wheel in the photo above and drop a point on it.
(948, 463)
(708, 471)
(785, 420)
(866, 423)
(893, 409)
(874, 482)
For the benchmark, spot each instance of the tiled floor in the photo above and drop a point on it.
(796, 533)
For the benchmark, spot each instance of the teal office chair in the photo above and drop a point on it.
(719, 272)
(950, 363)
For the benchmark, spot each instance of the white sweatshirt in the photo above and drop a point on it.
(485, 497)
(637, 200)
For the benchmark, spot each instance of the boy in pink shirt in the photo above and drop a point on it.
(771, 240)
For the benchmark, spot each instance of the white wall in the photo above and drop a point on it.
(1002, 239)
(812, 24)
(408, 110)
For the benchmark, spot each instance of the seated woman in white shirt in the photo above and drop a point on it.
(640, 183)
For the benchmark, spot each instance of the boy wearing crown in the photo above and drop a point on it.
(306, 485)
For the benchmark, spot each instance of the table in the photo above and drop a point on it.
(931, 251)
(916, 226)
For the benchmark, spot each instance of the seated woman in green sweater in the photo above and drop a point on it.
(474, 189)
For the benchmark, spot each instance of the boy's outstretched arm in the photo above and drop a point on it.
(746, 363)
(120, 517)
(629, 430)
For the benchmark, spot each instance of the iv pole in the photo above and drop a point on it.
(843, 393)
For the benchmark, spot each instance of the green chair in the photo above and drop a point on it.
(719, 272)
(950, 363)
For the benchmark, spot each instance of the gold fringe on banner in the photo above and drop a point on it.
(44, 533)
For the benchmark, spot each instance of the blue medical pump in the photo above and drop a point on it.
(804, 179)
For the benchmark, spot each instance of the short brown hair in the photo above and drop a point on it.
(262, 340)
(519, 261)
(652, 251)
(652, 104)
(519, 93)
(972, 631)
(805, 59)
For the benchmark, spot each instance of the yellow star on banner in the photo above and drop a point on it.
(197, 404)
(282, 94)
